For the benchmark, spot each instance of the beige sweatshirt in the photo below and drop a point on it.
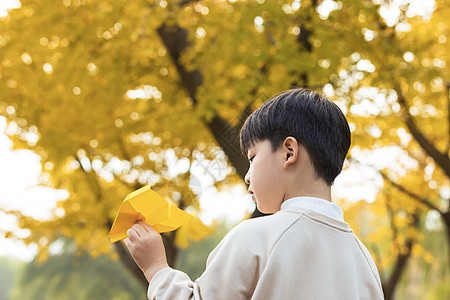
(304, 251)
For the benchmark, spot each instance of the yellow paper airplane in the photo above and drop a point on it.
(147, 205)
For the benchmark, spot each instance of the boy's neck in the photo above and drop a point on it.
(321, 196)
(312, 189)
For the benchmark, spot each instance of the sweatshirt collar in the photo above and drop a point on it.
(318, 205)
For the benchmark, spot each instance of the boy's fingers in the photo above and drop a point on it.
(128, 242)
(132, 234)
(147, 227)
(139, 229)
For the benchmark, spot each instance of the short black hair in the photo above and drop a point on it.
(311, 118)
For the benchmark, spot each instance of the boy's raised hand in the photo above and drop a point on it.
(146, 246)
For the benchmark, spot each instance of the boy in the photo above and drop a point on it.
(296, 144)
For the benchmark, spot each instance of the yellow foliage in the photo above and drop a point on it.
(194, 230)
(419, 251)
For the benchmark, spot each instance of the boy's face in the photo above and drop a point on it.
(265, 176)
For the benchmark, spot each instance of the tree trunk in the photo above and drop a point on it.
(401, 263)
(446, 218)
(171, 248)
(128, 262)
(175, 40)
(390, 285)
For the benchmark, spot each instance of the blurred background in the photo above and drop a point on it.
(99, 98)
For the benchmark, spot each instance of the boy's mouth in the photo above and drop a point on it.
(253, 195)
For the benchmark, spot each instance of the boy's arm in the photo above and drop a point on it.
(231, 273)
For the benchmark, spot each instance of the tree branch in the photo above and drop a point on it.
(185, 2)
(391, 218)
(123, 149)
(92, 179)
(303, 39)
(441, 159)
(414, 196)
(175, 39)
(402, 189)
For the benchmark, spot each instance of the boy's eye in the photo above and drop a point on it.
(251, 159)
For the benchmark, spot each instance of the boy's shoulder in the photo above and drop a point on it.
(264, 228)
(258, 235)
(296, 223)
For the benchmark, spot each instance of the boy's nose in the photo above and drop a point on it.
(247, 177)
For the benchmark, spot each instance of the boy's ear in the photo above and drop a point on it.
(290, 147)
